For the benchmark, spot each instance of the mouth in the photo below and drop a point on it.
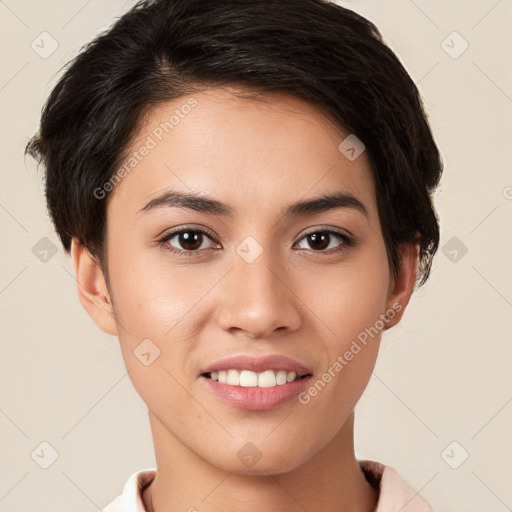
(256, 390)
(256, 382)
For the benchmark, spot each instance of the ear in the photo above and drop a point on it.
(92, 288)
(402, 287)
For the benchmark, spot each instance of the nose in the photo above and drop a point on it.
(259, 298)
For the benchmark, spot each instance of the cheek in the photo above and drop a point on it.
(349, 297)
(152, 296)
(350, 352)
(157, 310)
(350, 306)
(163, 303)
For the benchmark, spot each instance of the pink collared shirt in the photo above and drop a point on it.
(395, 494)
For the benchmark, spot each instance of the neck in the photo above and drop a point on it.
(330, 480)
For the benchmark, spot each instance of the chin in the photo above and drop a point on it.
(251, 462)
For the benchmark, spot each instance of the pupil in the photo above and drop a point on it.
(191, 239)
(319, 240)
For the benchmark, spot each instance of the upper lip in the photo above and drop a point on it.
(258, 364)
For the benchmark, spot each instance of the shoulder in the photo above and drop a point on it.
(131, 498)
(395, 494)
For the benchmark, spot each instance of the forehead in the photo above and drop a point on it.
(260, 151)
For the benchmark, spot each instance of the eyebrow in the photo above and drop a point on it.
(208, 205)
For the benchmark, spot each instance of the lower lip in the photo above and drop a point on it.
(255, 398)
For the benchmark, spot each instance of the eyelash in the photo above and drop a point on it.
(186, 253)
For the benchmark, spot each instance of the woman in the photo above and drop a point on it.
(245, 189)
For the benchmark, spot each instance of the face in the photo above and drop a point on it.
(193, 283)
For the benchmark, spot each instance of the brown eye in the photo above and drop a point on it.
(190, 240)
(319, 241)
(187, 241)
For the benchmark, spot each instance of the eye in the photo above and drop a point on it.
(323, 239)
(187, 241)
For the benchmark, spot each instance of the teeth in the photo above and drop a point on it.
(267, 379)
(247, 378)
(233, 378)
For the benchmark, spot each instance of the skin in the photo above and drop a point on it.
(295, 300)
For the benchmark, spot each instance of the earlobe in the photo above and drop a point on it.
(92, 289)
(403, 285)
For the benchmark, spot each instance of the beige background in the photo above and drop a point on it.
(444, 373)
